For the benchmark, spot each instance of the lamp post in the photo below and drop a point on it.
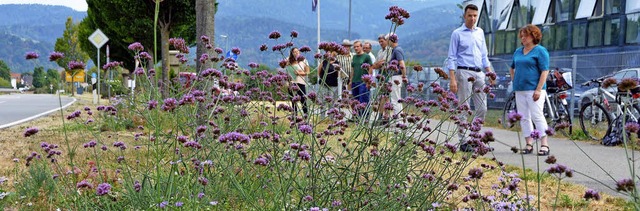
(226, 40)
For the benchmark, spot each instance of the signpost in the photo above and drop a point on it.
(98, 39)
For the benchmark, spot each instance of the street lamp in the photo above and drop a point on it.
(226, 40)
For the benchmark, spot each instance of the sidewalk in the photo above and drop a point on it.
(567, 152)
(602, 163)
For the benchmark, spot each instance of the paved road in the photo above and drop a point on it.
(601, 163)
(19, 108)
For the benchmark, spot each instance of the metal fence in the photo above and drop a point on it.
(583, 68)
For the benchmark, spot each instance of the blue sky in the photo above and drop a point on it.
(79, 5)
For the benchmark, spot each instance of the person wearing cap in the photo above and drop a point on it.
(344, 59)
(467, 58)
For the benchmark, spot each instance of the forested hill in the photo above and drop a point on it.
(31, 27)
(247, 23)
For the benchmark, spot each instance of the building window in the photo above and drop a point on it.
(512, 39)
(483, 21)
(500, 42)
(599, 9)
(633, 23)
(579, 30)
(595, 33)
(562, 33)
(563, 10)
(611, 31)
(548, 37)
(590, 8)
(612, 6)
(632, 6)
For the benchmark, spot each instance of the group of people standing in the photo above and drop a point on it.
(529, 69)
(352, 66)
(467, 58)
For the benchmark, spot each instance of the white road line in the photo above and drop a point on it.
(37, 115)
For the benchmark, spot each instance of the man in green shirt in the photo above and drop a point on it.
(361, 65)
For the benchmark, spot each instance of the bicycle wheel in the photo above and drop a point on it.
(509, 106)
(594, 121)
(562, 112)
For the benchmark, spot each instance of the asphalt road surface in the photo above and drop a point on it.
(19, 108)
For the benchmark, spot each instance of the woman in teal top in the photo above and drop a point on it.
(529, 72)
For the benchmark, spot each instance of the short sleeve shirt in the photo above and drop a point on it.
(397, 54)
(528, 68)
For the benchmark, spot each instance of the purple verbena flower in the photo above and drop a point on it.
(54, 56)
(30, 131)
(136, 46)
(294, 34)
(32, 55)
(75, 65)
(103, 189)
(274, 35)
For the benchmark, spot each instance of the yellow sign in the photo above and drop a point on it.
(79, 77)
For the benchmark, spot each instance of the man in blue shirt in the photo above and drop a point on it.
(467, 57)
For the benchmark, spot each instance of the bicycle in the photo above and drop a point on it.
(556, 107)
(596, 117)
(556, 110)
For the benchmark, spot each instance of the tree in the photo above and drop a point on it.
(5, 72)
(69, 44)
(53, 78)
(205, 22)
(38, 77)
(175, 18)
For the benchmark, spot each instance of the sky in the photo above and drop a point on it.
(79, 5)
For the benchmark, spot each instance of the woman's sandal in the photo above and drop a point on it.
(528, 149)
(544, 152)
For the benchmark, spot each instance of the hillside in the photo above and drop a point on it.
(246, 24)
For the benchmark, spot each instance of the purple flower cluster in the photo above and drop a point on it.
(591, 194)
(30, 131)
(305, 49)
(192, 144)
(632, 127)
(90, 144)
(514, 117)
(169, 104)
(103, 189)
(84, 184)
(111, 65)
(152, 104)
(235, 50)
(397, 15)
(32, 55)
(625, 185)
(120, 144)
(233, 137)
(74, 115)
(179, 44)
(136, 46)
(475, 173)
(294, 34)
(75, 65)
(560, 169)
(54, 56)
(274, 35)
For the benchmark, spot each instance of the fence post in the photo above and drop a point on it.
(574, 66)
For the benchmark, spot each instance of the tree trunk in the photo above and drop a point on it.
(164, 51)
(205, 22)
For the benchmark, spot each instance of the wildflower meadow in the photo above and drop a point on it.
(230, 140)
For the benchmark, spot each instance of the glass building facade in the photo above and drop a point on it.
(568, 26)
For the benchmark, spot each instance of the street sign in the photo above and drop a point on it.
(98, 38)
(232, 55)
(78, 77)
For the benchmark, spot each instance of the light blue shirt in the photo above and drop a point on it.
(528, 68)
(467, 48)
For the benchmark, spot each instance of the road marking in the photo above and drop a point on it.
(37, 115)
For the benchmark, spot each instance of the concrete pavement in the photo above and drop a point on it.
(597, 166)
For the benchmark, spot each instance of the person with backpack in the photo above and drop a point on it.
(529, 71)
